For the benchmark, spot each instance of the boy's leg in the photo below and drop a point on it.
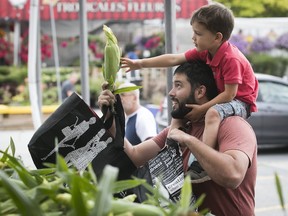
(213, 118)
(212, 122)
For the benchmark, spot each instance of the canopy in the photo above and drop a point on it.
(100, 9)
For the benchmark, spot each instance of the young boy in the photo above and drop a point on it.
(237, 86)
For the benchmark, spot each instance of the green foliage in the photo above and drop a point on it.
(60, 190)
(280, 191)
(15, 75)
(257, 8)
(267, 64)
(18, 94)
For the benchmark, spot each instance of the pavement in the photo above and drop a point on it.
(20, 129)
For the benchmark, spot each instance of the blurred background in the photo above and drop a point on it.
(261, 33)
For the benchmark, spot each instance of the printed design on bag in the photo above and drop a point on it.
(167, 173)
(81, 157)
(72, 132)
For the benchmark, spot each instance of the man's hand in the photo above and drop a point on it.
(179, 136)
(106, 97)
(130, 64)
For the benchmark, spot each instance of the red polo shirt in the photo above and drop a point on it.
(230, 66)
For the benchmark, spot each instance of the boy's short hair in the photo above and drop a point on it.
(216, 18)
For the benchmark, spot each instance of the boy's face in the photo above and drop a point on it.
(205, 39)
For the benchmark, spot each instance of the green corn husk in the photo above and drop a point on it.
(111, 66)
(112, 56)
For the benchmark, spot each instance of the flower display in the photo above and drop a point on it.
(240, 43)
(5, 51)
(282, 41)
(154, 43)
(46, 47)
(262, 44)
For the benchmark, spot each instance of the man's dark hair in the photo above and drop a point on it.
(198, 73)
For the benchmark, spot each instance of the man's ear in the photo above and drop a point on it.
(200, 91)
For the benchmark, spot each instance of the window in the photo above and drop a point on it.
(273, 92)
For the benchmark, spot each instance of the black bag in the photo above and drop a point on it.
(81, 137)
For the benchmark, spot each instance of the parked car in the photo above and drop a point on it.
(270, 123)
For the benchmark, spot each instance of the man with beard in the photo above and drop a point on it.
(232, 166)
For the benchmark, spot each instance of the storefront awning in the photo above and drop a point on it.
(102, 9)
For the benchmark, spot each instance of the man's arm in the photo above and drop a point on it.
(227, 168)
(141, 153)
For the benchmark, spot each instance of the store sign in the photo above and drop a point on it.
(106, 9)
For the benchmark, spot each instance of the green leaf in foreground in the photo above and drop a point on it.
(24, 204)
(126, 89)
(12, 145)
(78, 199)
(23, 173)
(279, 190)
(104, 195)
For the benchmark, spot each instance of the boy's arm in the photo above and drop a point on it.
(224, 97)
(165, 60)
(198, 111)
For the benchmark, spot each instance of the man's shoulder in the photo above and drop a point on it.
(234, 124)
(235, 120)
(144, 110)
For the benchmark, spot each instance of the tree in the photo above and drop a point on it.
(257, 8)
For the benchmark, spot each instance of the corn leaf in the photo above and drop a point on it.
(24, 204)
(77, 197)
(279, 190)
(22, 172)
(127, 184)
(186, 193)
(103, 201)
(12, 145)
(121, 206)
(126, 89)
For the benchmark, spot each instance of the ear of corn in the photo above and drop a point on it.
(111, 66)
(112, 56)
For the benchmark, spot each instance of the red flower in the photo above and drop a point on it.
(64, 44)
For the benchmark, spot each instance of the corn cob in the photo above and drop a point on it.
(112, 56)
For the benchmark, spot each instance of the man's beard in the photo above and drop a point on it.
(182, 110)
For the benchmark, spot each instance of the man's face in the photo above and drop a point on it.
(181, 95)
(128, 102)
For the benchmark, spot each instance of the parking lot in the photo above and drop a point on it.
(267, 200)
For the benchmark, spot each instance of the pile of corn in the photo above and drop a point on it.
(60, 190)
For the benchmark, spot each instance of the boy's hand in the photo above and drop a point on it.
(196, 114)
(130, 64)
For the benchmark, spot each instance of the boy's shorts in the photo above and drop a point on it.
(233, 108)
